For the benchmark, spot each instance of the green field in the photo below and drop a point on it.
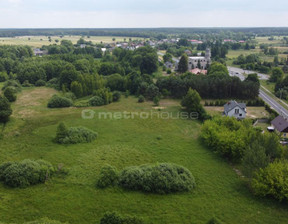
(39, 41)
(264, 40)
(220, 192)
(235, 53)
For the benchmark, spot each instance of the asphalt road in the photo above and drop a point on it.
(239, 72)
(273, 103)
(262, 94)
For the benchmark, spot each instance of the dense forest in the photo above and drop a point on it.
(151, 32)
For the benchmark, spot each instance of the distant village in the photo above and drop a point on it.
(197, 64)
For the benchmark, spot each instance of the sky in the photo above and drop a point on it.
(142, 13)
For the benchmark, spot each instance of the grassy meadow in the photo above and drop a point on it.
(39, 41)
(220, 192)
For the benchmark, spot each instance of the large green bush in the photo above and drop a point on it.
(74, 135)
(114, 218)
(96, 101)
(272, 181)
(25, 173)
(227, 136)
(3, 76)
(104, 94)
(108, 176)
(116, 96)
(10, 93)
(5, 110)
(14, 84)
(40, 82)
(161, 178)
(141, 99)
(59, 102)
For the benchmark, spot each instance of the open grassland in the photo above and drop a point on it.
(220, 192)
(235, 53)
(39, 41)
(264, 40)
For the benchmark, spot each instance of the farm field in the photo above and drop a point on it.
(220, 192)
(39, 41)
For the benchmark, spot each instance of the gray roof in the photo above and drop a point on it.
(280, 124)
(232, 104)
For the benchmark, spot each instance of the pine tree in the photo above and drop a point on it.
(192, 103)
(183, 64)
(61, 133)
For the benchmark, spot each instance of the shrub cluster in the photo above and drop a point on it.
(162, 178)
(5, 109)
(25, 173)
(59, 102)
(10, 93)
(3, 76)
(114, 218)
(116, 96)
(40, 82)
(27, 84)
(74, 135)
(141, 99)
(13, 83)
(227, 136)
(108, 176)
(96, 101)
(272, 181)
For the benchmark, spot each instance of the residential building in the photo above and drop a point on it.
(280, 124)
(234, 109)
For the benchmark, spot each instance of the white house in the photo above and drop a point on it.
(234, 109)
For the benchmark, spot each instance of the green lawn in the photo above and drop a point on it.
(220, 192)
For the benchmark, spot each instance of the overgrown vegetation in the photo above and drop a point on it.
(257, 153)
(162, 178)
(25, 173)
(74, 135)
(272, 181)
(59, 102)
(115, 218)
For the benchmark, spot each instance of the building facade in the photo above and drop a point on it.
(201, 62)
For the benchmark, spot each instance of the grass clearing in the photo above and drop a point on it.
(220, 192)
(235, 53)
(264, 40)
